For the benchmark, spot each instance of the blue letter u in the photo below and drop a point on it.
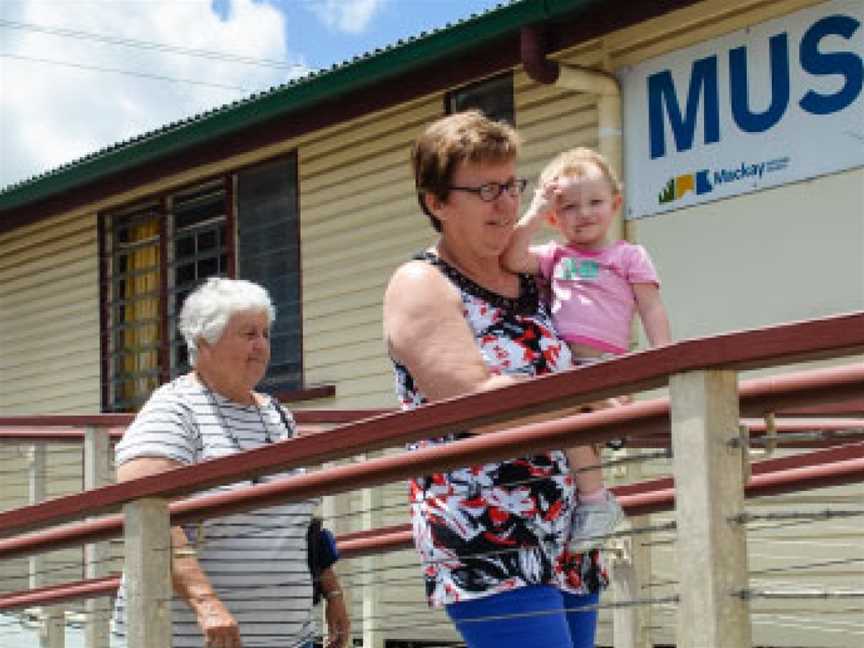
(748, 121)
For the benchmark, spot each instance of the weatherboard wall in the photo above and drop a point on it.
(360, 220)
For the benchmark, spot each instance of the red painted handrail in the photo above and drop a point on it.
(759, 396)
(383, 469)
(819, 469)
(121, 421)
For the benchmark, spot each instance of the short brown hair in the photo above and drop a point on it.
(465, 136)
(574, 162)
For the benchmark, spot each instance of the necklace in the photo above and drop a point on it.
(235, 440)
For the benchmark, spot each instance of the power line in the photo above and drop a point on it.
(149, 45)
(143, 75)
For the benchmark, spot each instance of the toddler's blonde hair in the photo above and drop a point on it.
(574, 162)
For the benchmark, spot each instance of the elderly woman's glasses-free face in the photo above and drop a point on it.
(491, 190)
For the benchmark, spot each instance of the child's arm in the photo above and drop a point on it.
(518, 256)
(653, 313)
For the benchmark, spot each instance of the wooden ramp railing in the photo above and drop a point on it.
(710, 466)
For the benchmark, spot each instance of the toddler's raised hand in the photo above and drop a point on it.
(544, 201)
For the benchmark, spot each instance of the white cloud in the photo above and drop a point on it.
(350, 16)
(51, 114)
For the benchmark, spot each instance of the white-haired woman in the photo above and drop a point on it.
(240, 579)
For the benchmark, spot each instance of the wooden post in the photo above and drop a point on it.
(625, 588)
(373, 498)
(640, 554)
(52, 634)
(631, 568)
(640, 557)
(711, 549)
(97, 472)
(148, 573)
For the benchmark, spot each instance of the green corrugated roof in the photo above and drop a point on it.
(372, 67)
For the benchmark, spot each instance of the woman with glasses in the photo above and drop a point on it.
(492, 538)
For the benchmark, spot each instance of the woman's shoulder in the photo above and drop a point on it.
(176, 399)
(166, 416)
(418, 280)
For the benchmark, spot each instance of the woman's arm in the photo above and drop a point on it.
(424, 329)
(653, 313)
(190, 582)
(335, 611)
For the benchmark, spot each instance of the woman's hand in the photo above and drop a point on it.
(218, 626)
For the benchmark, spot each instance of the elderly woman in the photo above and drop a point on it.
(492, 538)
(241, 580)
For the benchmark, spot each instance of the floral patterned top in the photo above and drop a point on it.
(494, 527)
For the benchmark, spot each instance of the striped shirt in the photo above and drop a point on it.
(255, 561)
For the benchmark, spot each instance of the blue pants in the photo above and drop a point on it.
(536, 616)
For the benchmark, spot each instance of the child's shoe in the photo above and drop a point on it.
(593, 521)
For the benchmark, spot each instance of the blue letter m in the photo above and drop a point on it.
(661, 91)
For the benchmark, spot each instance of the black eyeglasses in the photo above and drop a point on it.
(491, 190)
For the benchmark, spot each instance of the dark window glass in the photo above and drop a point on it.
(493, 97)
(268, 253)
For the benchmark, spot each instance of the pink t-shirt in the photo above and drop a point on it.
(592, 295)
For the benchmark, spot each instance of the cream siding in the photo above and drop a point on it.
(49, 332)
(49, 359)
(360, 220)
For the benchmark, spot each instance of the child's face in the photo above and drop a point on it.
(584, 207)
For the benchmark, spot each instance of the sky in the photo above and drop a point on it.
(79, 75)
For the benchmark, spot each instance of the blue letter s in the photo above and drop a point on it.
(847, 64)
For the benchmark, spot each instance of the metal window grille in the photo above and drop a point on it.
(155, 254)
(199, 251)
(132, 306)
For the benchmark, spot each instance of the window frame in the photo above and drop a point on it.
(167, 358)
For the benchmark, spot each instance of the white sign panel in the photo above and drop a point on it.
(778, 102)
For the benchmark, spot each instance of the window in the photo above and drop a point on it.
(154, 253)
(268, 253)
(199, 251)
(493, 97)
(135, 314)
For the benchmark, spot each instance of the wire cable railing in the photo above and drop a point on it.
(787, 474)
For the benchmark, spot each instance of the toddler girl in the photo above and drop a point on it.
(596, 286)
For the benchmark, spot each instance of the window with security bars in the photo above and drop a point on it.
(156, 252)
(493, 97)
(133, 306)
(199, 251)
